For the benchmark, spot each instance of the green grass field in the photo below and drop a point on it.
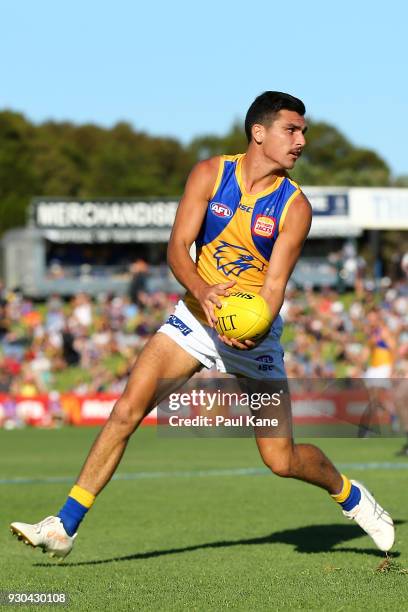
(189, 527)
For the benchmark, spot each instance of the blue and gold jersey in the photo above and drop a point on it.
(381, 353)
(239, 230)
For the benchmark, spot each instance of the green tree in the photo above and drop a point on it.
(232, 143)
(130, 163)
(17, 178)
(401, 181)
(59, 162)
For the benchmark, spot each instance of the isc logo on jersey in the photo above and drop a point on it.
(264, 226)
(220, 210)
(265, 362)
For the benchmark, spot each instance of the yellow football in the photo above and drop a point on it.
(243, 316)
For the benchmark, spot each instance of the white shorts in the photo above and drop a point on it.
(265, 360)
(378, 377)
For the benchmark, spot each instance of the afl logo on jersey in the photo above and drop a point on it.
(221, 210)
(264, 226)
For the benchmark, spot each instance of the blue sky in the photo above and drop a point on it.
(183, 68)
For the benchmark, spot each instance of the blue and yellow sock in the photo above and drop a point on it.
(349, 496)
(73, 511)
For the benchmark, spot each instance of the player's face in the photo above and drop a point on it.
(284, 140)
(373, 319)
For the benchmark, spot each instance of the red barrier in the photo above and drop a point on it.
(29, 410)
(42, 411)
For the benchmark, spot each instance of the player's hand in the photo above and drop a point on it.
(242, 346)
(209, 298)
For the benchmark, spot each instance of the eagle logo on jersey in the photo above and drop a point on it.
(234, 259)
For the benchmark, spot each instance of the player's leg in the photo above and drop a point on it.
(308, 463)
(161, 367)
(302, 461)
(369, 422)
(401, 403)
(277, 448)
(378, 385)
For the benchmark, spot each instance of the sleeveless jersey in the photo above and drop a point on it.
(239, 230)
(381, 353)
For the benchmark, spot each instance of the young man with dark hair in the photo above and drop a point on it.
(249, 221)
(265, 107)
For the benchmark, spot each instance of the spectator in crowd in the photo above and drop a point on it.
(404, 264)
(139, 270)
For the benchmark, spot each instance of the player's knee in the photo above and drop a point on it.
(126, 415)
(279, 464)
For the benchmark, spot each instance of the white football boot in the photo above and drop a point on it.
(49, 535)
(373, 519)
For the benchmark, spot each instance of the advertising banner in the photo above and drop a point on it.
(342, 410)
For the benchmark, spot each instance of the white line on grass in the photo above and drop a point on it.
(198, 473)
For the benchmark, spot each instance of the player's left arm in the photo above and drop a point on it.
(286, 252)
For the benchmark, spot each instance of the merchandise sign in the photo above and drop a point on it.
(104, 220)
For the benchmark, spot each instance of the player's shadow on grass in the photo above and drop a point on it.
(311, 539)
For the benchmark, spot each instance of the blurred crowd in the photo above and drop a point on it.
(88, 345)
(328, 333)
(43, 345)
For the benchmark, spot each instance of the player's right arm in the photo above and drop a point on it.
(187, 224)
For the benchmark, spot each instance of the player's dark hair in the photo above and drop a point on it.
(264, 108)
